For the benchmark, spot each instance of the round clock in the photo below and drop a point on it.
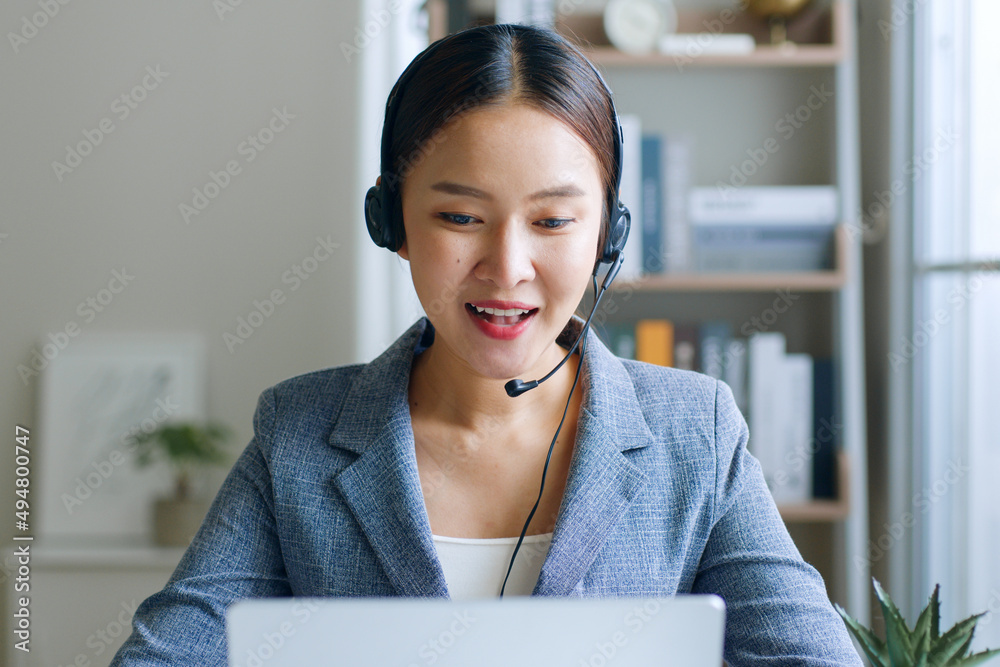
(635, 26)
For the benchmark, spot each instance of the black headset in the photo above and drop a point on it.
(383, 208)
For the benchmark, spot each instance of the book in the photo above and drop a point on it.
(676, 167)
(686, 347)
(826, 432)
(620, 339)
(653, 258)
(762, 248)
(793, 477)
(790, 204)
(654, 342)
(767, 402)
(713, 337)
(630, 195)
(735, 371)
(706, 43)
(763, 229)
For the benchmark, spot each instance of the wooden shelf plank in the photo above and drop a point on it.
(815, 511)
(804, 55)
(805, 281)
(824, 510)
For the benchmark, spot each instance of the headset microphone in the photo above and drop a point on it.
(515, 388)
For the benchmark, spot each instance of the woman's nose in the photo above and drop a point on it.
(505, 256)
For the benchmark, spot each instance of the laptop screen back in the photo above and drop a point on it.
(524, 631)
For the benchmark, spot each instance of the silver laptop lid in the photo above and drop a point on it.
(525, 631)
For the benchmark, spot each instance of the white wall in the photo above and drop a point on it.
(61, 240)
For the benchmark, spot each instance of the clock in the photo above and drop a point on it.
(636, 26)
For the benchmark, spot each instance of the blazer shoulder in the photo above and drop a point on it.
(658, 383)
(304, 406)
(682, 403)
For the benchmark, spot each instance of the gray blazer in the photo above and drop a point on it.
(662, 498)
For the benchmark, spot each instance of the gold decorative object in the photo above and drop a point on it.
(777, 12)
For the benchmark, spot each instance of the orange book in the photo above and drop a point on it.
(654, 342)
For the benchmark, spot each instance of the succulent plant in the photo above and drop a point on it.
(185, 446)
(923, 646)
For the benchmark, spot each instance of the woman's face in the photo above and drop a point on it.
(502, 221)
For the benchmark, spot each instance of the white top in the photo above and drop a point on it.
(475, 568)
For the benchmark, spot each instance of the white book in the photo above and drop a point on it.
(676, 235)
(767, 400)
(792, 480)
(792, 204)
(529, 12)
(735, 374)
(631, 194)
(695, 45)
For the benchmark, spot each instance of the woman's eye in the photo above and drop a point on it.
(457, 218)
(555, 223)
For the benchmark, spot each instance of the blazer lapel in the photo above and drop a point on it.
(382, 487)
(602, 482)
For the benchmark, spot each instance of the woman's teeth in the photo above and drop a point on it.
(499, 311)
(501, 316)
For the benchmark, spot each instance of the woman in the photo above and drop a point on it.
(417, 474)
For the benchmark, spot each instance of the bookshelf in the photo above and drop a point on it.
(724, 101)
(728, 103)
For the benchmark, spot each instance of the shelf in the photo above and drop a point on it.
(823, 511)
(803, 55)
(95, 556)
(808, 52)
(811, 281)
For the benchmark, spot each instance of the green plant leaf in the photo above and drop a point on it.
(182, 445)
(897, 635)
(922, 629)
(950, 645)
(935, 606)
(873, 647)
(975, 659)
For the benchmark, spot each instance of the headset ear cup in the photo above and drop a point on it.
(381, 216)
(621, 222)
(373, 215)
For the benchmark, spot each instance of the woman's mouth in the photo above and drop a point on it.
(501, 316)
(501, 323)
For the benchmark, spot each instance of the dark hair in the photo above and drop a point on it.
(494, 65)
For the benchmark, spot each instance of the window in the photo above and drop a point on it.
(955, 333)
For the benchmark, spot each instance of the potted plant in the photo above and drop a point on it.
(924, 645)
(186, 447)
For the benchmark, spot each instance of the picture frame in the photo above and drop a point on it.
(96, 395)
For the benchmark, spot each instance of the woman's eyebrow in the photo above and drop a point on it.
(452, 188)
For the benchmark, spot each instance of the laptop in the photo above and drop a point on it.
(525, 631)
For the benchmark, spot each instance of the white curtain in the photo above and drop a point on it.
(953, 336)
(390, 33)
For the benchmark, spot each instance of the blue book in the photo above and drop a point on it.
(618, 337)
(826, 431)
(714, 339)
(653, 260)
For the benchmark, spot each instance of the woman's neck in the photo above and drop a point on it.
(444, 393)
